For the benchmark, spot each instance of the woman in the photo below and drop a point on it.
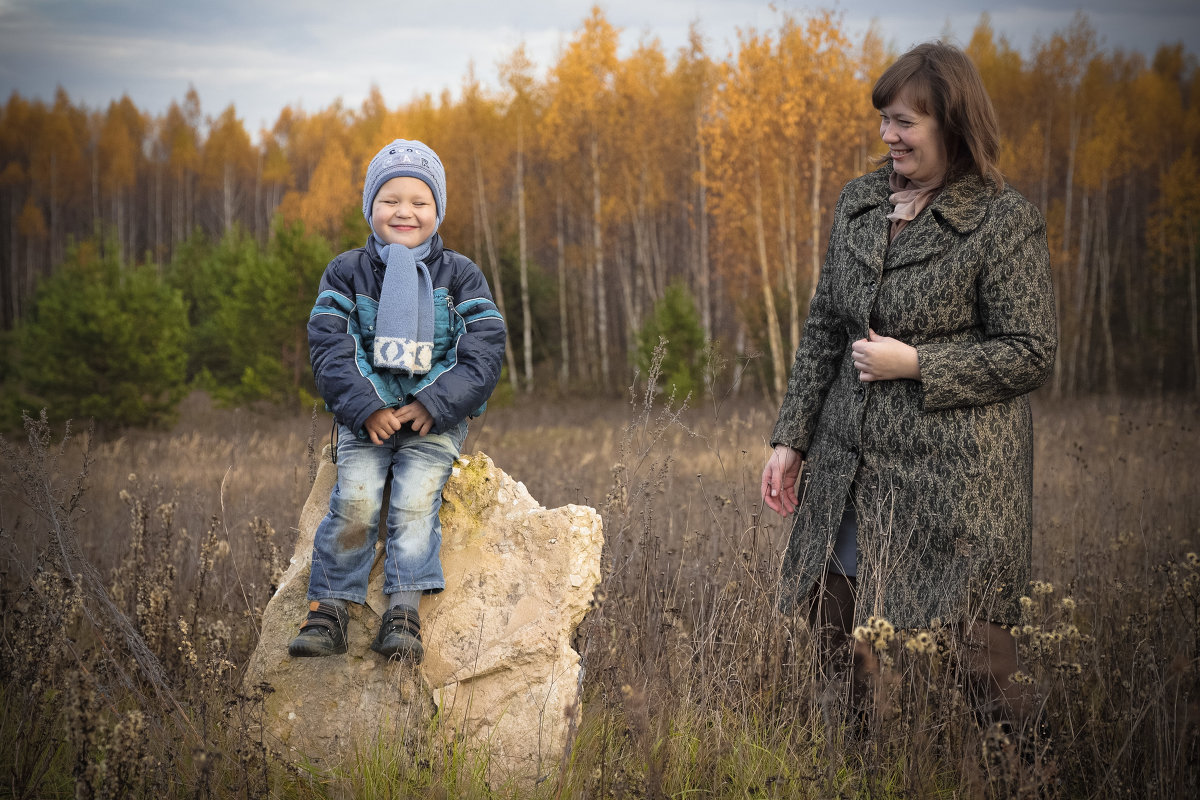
(932, 320)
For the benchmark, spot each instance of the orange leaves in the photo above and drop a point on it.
(227, 150)
(331, 190)
(120, 144)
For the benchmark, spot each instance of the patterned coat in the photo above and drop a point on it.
(941, 469)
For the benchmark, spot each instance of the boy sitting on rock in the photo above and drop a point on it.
(406, 344)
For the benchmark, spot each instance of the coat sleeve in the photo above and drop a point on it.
(822, 346)
(1013, 351)
(466, 384)
(342, 370)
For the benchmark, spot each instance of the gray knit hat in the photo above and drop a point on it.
(405, 157)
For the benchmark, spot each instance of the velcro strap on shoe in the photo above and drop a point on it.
(323, 615)
(403, 619)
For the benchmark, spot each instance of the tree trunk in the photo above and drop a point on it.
(56, 235)
(494, 262)
(704, 274)
(260, 219)
(1107, 257)
(1081, 306)
(1069, 185)
(119, 209)
(1195, 307)
(815, 229)
(13, 294)
(633, 317)
(628, 293)
(523, 257)
(227, 189)
(598, 261)
(786, 257)
(564, 340)
(778, 368)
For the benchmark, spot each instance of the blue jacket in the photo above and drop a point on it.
(468, 344)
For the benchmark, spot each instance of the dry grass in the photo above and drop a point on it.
(695, 686)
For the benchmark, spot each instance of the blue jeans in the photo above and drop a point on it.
(344, 544)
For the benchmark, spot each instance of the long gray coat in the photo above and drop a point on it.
(940, 469)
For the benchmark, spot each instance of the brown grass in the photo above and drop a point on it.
(695, 686)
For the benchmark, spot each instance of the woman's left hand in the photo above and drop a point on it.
(882, 358)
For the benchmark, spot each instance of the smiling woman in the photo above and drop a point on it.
(904, 443)
(915, 143)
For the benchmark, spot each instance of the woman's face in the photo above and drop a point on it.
(914, 142)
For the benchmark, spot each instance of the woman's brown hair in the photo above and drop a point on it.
(939, 80)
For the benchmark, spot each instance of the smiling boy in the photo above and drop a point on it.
(406, 344)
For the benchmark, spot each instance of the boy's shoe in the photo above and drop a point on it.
(323, 632)
(400, 635)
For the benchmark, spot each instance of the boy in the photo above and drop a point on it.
(405, 344)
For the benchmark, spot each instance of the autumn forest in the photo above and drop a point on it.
(591, 193)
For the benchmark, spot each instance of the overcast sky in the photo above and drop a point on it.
(261, 55)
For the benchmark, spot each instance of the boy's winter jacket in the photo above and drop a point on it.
(468, 345)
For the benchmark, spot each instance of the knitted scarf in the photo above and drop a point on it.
(404, 327)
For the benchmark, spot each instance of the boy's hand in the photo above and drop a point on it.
(381, 424)
(414, 412)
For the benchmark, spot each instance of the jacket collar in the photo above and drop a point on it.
(956, 211)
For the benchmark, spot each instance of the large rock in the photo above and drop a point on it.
(500, 673)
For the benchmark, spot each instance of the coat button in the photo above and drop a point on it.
(854, 450)
(859, 389)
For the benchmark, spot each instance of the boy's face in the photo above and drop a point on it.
(404, 212)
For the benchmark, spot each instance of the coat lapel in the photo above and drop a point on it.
(867, 209)
(955, 212)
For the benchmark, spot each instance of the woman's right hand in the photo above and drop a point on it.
(779, 479)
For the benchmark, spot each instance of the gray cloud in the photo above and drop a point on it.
(265, 54)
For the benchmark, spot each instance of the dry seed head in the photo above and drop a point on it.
(1042, 588)
(1067, 604)
(878, 632)
(1193, 560)
(1068, 631)
(922, 644)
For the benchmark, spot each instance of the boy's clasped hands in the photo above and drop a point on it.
(386, 421)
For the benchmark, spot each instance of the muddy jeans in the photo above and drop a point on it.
(344, 545)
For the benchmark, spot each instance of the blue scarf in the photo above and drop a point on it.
(404, 327)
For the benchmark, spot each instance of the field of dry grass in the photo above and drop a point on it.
(695, 685)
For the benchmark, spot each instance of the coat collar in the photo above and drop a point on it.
(956, 211)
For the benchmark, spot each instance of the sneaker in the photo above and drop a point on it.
(400, 635)
(323, 632)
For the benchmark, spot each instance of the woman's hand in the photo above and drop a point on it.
(779, 479)
(882, 358)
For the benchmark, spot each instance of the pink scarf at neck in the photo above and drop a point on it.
(909, 201)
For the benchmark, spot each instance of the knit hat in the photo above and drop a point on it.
(405, 157)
